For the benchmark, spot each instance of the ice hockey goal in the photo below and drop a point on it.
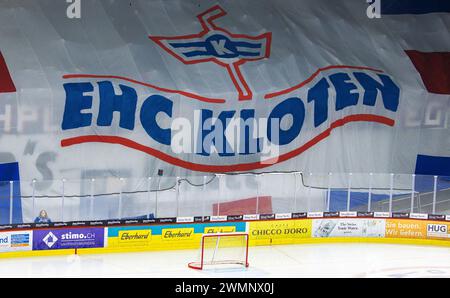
(222, 249)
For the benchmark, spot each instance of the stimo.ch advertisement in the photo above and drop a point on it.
(74, 238)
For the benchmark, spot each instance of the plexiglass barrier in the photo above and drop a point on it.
(220, 194)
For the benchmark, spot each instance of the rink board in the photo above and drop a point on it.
(175, 236)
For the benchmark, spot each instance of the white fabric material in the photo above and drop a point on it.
(40, 45)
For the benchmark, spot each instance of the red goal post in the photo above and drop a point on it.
(222, 249)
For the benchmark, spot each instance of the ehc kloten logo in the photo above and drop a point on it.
(218, 45)
(204, 134)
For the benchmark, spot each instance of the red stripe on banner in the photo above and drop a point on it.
(6, 83)
(230, 167)
(315, 74)
(184, 93)
(434, 68)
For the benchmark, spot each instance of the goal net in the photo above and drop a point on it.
(222, 249)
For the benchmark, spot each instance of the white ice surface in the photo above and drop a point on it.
(306, 260)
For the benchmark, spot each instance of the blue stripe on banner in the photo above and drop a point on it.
(188, 44)
(10, 172)
(196, 53)
(432, 165)
(247, 44)
(248, 54)
(414, 6)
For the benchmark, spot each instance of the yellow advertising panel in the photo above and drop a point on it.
(417, 229)
(405, 228)
(134, 238)
(278, 232)
(220, 229)
(177, 234)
